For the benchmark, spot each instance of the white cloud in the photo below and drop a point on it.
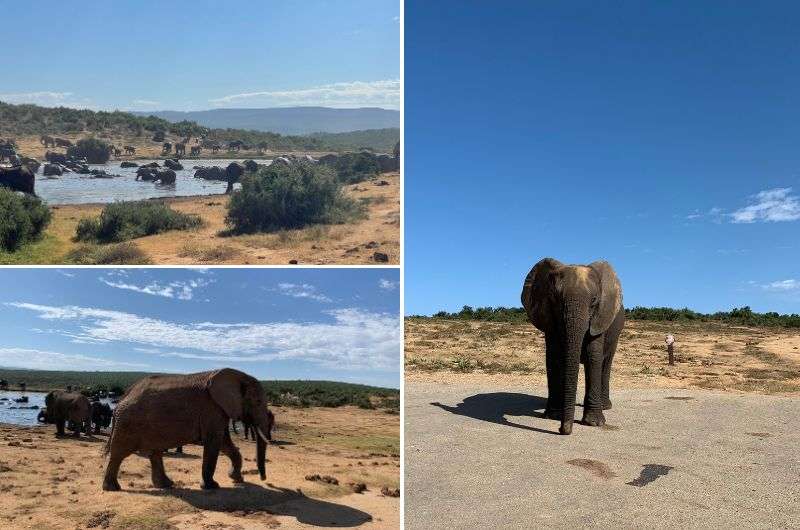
(65, 273)
(354, 339)
(178, 289)
(387, 284)
(46, 360)
(384, 93)
(783, 285)
(302, 290)
(49, 99)
(773, 205)
(145, 103)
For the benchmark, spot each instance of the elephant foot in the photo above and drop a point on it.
(566, 428)
(111, 485)
(210, 485)
(553, 414)
(236, 477)
(606, 404)
(163, 484)
(594, 418)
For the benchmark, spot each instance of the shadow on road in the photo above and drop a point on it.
(274, 501)
(495, 406)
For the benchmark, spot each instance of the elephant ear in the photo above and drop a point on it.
(610, 298)
(535, 293)
(226, 389)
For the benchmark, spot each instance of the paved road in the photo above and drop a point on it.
(482, 458)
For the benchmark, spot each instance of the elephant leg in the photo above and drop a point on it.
(210, 454)
(232, 452)
(60, 427)
(555, 395)
(610, 349)
(593, 399)
(115, 459)
(157, 472)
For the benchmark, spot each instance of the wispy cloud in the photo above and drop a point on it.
(774, 205)
(385, 93)
(302, 290)
(46, 360)
(783, 286)
(49, 99)
(351, 339)
(67, 274)
(387, 285)
(182, 290)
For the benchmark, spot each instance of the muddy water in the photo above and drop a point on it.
(20, 413)
(72, 188)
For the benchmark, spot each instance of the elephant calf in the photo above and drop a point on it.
(579, 310)
(164, 411)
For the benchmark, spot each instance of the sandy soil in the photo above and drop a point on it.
(145, 148)
(708, 355)
(54, 483)
(354, 243)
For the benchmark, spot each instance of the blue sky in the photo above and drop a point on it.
(661, 136)
(200, 54)
(332, 324)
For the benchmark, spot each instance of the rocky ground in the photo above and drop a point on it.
(54, 483)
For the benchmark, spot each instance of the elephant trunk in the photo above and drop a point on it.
(576, 322)
(262, 429)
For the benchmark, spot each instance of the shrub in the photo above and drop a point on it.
(23, 218)
(278, 197)
(121, 221)
(356, 167)
(120, 254)
(93, 150)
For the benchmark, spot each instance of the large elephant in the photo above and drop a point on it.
(164, 411)
(100, 415)
(233, 173)
(579, 309)
(19, 178)
(72, 407)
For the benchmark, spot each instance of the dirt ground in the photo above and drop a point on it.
(54, 483)
(145, 147)
(354, 243)
(708, 355)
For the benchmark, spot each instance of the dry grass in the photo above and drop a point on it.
(708, 355)
(51, 483)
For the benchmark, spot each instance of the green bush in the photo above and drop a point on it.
(121, 221)
(356, 167)
(119, 254)
(278, 197)
(23, 218)
(93, 150)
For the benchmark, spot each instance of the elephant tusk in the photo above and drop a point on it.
(261, 434)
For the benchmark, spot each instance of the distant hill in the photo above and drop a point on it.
(288, 120)
(379, 140)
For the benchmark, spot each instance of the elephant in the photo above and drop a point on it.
(52, 169)
(7, 153)
(262, 146)
(47, 141)
(233, 172)
(196, 149)
(128, 164)
(579, 310)
(180, 149)
(173, 164)
(69, 407)
(235, 145)
(31, 163)
(210, 173)
(164, 411)
(62, 142)
(19, 178)
(146, 173)
(100, 415)
(250, 165)
(166, 176)
(129, 150)
(55, 158)
(166, 148)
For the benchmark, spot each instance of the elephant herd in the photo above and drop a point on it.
(160, 412)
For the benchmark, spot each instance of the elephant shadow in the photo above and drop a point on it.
(92, 438)
(273, 500)
(495, 406)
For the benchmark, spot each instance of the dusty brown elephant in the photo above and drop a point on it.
(579, 309)
(164, 411)
(72, 407)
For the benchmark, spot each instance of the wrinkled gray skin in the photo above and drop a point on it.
(579, 309)
(72, 407)
(164, 411)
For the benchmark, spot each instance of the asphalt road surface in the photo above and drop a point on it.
(485, 458)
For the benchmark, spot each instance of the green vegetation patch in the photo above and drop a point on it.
(117, 254)
(23, 218)
(283, 197)
(93, 150)
(378, 140)
(121, 221)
